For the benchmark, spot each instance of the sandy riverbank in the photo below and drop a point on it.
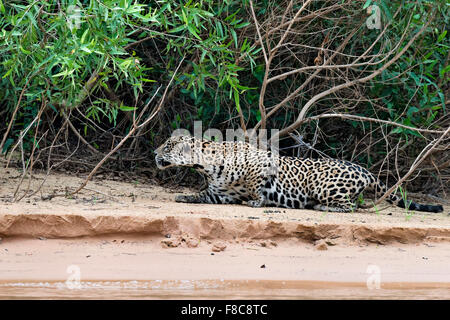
(131, 240)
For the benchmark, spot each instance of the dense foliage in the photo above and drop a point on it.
(91, 66)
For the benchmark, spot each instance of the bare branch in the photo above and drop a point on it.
(131, 132)
(305, 4)
(259, 33)
(317, 97)
(361, 118)
(431, 146)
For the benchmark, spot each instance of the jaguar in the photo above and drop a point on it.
(238, 172)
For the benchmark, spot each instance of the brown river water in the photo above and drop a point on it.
(219, 289)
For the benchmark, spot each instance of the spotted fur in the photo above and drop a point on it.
(238, 172)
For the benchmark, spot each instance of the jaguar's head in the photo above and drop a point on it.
(176, 151)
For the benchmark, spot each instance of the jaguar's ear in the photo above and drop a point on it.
(181, 137)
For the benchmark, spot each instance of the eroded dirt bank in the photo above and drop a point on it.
(190, 227)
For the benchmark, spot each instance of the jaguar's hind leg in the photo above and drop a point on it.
(254, 187)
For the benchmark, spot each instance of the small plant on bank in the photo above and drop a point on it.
(403, 193)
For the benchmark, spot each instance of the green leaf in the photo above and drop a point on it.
(386, 9)
(414, 133)
(178, 29)
(232, 16)
(62, 73)
(24, 51)
(8, 142)
(206, 13)
(444, 71)
(202, 57)
(83, 37)
(194, 33)
(127, 108)
(236, 100)
(233, 33)
(242, 25)
(367, 4)
(398, 130)
(125, 64)
(416, 78)
(442, 36)
(86, 49)
(411, 110)
(7, 73)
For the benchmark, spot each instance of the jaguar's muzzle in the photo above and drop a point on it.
(161, 163)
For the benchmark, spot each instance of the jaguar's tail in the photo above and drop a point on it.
(380, 189)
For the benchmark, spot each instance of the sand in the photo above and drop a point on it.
(134, 241)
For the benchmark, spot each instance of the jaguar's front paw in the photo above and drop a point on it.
(182, 198)
(186, 198)
(255, 203)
